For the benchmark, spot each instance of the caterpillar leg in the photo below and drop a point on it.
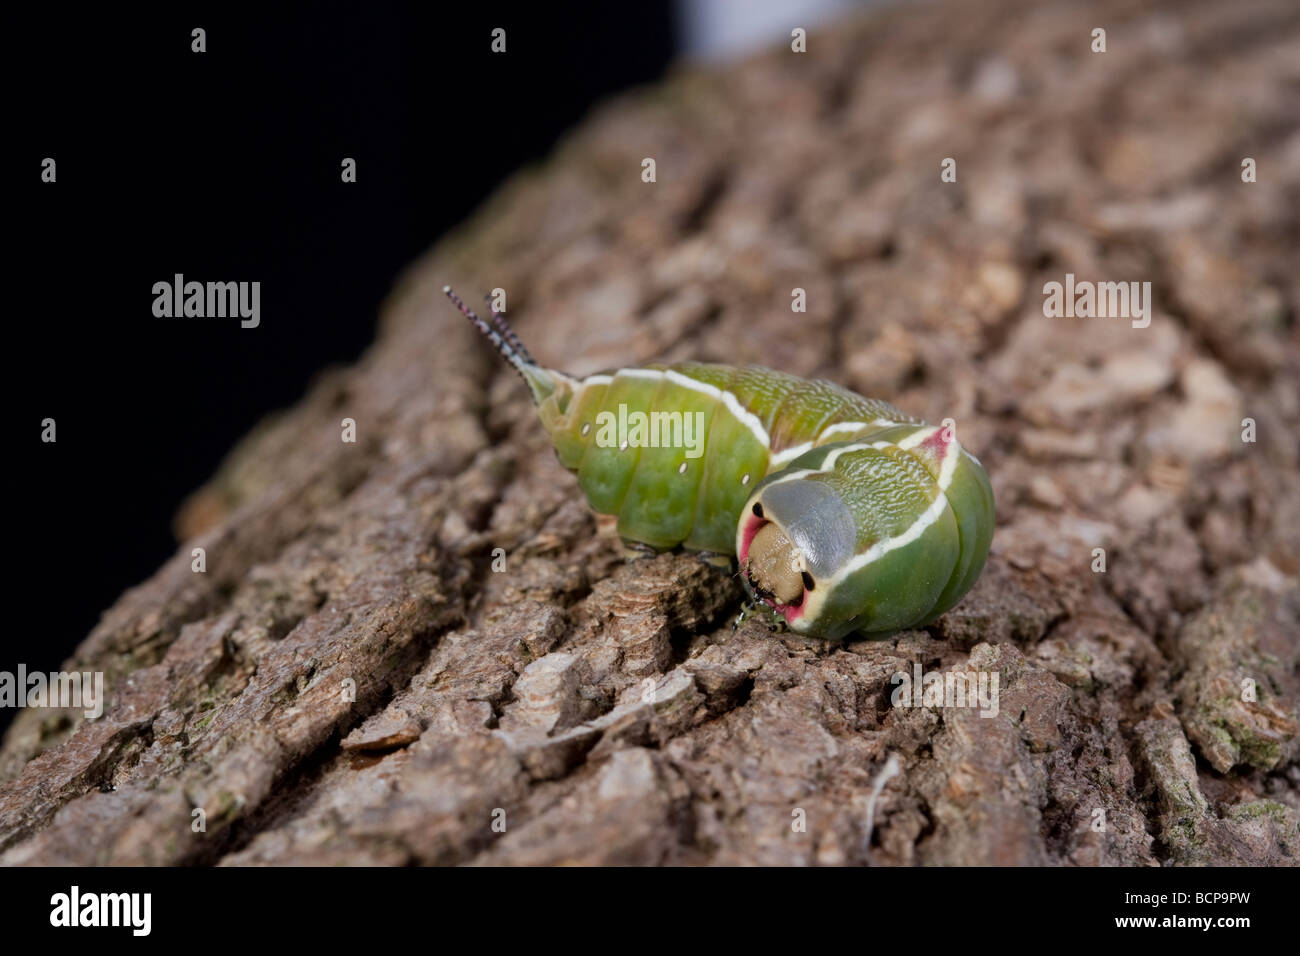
(757, 609)
(637, 550)
(716, 559)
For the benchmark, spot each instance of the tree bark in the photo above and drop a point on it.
(351, 681)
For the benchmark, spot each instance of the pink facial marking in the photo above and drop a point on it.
(791, 613)
(937, 443)
(752, 523)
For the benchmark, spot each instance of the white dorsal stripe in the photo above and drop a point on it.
(852, 427)
(828, 463)
(917, 437)
(742, 414)
(732, 404)
(793, 476)
(846, 427)
(790, 454)
(650, 373)
(952, 454)
(881, 548)
(793, 452)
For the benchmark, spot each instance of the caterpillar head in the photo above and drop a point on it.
(794, 534)
(870, 536)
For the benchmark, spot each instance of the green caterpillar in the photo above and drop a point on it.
(844, 513)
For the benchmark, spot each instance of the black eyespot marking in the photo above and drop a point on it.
(758, 509)
(807, 580)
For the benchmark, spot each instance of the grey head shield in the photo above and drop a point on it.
(815, 520)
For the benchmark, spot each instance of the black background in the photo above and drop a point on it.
(225, 166)
(346, 911)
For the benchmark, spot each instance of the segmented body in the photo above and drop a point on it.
(905, 484)
(756, 421)
(844, 513)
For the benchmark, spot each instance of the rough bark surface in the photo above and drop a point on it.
(1122, 736)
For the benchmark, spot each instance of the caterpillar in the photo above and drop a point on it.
(843, 513)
